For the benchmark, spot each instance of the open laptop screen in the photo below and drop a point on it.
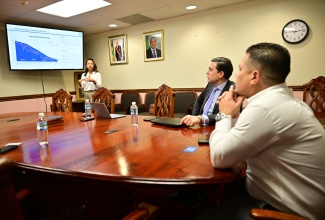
(102, 111)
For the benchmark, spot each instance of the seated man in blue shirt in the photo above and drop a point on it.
(205, 108)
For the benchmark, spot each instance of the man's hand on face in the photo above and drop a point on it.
(229, 103)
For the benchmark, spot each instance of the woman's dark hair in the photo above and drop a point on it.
(95, 66)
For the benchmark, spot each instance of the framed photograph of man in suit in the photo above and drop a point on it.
(153, 43)
(118, 49)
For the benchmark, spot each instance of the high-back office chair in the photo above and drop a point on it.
(184, 102)
(62, 101)
(314, 96)
(105, 96)
(9, 199)
(149, 100)
(126, 101)
(164, 102)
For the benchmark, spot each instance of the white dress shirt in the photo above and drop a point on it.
(284, 146)
(90, 86)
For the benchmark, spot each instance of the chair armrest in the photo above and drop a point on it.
(139, 213)
(23, 193)
(144, 211)
(272, 215)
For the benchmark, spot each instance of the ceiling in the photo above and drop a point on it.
(97, 21)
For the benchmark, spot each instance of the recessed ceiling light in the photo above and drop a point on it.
(68, 8)
(191, 7)
(112, 25)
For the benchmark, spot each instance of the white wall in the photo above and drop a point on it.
(190, 42)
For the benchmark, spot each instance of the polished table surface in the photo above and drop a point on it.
(151, 154)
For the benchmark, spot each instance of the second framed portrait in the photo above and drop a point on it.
(118, 50)
(153, 43)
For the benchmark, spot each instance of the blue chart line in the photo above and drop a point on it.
(24, 52)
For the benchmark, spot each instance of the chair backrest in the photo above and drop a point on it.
(10, 208)
(184, 101)
(62, 101)
(149, 99)
(314, 96)
(164, 102)
(104, 95)
(127, 98)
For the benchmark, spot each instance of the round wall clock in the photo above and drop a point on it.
(295, 31)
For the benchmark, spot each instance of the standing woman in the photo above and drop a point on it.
(91, 80)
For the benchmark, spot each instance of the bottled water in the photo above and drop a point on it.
(42, 129)
(134, 114)
(88, 108)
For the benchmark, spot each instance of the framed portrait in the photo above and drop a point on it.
(79, 92)
(153, 43)
(118, 50)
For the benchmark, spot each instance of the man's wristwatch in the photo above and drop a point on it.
(221, 116)
(201, 119)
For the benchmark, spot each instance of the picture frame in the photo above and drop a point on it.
(118, 49)
(153, 39)
(79, 91)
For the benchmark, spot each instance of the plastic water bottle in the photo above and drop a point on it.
(42, 129)
(134, 114)
(88, 108)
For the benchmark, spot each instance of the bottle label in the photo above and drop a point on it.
(88, 106)
(132, 111)
(41, 125)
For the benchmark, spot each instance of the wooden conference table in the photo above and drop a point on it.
(153, 155)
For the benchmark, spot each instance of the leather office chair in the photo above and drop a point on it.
(149, 100)
(314, 96)
(184, 102)
(9, 199)
(126, 101)
(264, 214)
(105, 96)
(164, 102)
(62, 101)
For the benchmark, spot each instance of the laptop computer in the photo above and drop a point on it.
(171, 122)
(102, 111)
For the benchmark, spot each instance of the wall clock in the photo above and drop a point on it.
(295, 31)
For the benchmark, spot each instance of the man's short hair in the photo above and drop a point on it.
(225, 65)
(272, 60)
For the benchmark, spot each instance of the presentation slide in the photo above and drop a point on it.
(33, 48)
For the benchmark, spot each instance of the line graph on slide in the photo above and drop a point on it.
(25, 52)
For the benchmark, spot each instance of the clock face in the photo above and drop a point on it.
(295, 31)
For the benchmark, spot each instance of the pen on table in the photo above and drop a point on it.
(15, 119)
